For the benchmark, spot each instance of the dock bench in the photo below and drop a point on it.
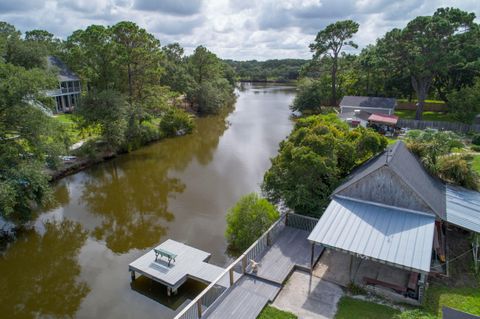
(164, 253)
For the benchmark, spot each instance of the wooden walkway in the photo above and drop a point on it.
(247, 298)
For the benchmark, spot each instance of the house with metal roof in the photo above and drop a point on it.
(357, 109)
(370, 104)
(68, 92)
(392, 211)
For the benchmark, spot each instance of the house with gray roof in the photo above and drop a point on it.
(357, 109)
(68, 92)
(370, 104)
(391, 211)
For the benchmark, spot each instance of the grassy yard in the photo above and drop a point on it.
(350, 308)
(75, 133)
(273, 313)
(464, 298)
(427, 116)
(426, 101)
(476, 163)
(461, 290)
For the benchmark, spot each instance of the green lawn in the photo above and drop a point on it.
(350, 308)
(273, 313)
(427, 116)
(76, 133)
(465, 299)
(476, 163)
(426, 101)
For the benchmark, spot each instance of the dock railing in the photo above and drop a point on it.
(200, 306)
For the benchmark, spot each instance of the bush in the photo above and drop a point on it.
(248, 220)
(430, 145)
(475, 148)
(464, 104)
(309, 96)
(476, 139)
(414, 314)
(176, 122)
(457, 170)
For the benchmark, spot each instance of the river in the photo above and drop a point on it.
(74, 262)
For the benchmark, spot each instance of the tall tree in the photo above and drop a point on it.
(330, 42)
(138, 57)
(427, 47)
(175, 73)
(90, 53)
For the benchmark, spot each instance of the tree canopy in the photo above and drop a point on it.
(29, 138)
(320, 151)
(132, 92)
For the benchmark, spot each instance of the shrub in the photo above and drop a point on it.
(176, 122)
(476, 139)
(247, 220)
(414, 314)
(309, 96)
(457, 170)
(430, 145)
(464, 104)
(475, 148)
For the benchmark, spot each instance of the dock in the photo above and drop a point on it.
(189, 262)
(281, 250)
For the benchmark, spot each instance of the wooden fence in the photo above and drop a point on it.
(439, 125)
(435, 107)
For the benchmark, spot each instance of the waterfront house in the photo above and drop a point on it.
(68, 92)
(391, 212)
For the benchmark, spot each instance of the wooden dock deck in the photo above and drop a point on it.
(189, 263)
(247, 298)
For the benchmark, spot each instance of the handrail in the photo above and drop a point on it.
(230, 267)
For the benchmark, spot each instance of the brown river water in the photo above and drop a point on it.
(74, 262)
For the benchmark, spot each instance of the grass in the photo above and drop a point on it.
(426, 101)
(76, 133)
(270, 312)
(427, 115)
(466, 299)
(350, 308)
(476, 163)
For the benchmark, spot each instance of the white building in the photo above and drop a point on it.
(68, 92)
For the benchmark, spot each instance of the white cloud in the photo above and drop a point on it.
(235, 29)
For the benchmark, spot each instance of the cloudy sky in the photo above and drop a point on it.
(236, 29)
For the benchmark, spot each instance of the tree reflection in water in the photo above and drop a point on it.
(131, 193)
(39, 277)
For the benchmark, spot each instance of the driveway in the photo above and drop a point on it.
(309, 297)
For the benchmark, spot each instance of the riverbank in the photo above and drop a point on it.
(108, 215)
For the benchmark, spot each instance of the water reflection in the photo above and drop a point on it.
(131, 194)
(39, 278)
(179, 188)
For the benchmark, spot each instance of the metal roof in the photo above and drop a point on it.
(383, 118)
(368, 102)
(450, 313)
(407, 167)
(64, 73)
(463, 208)
(384, 234)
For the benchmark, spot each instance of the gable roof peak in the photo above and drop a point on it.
(409, 169)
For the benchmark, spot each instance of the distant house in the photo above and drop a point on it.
(68, 92)
(379, 105)
(357, 109)
(391, 211)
